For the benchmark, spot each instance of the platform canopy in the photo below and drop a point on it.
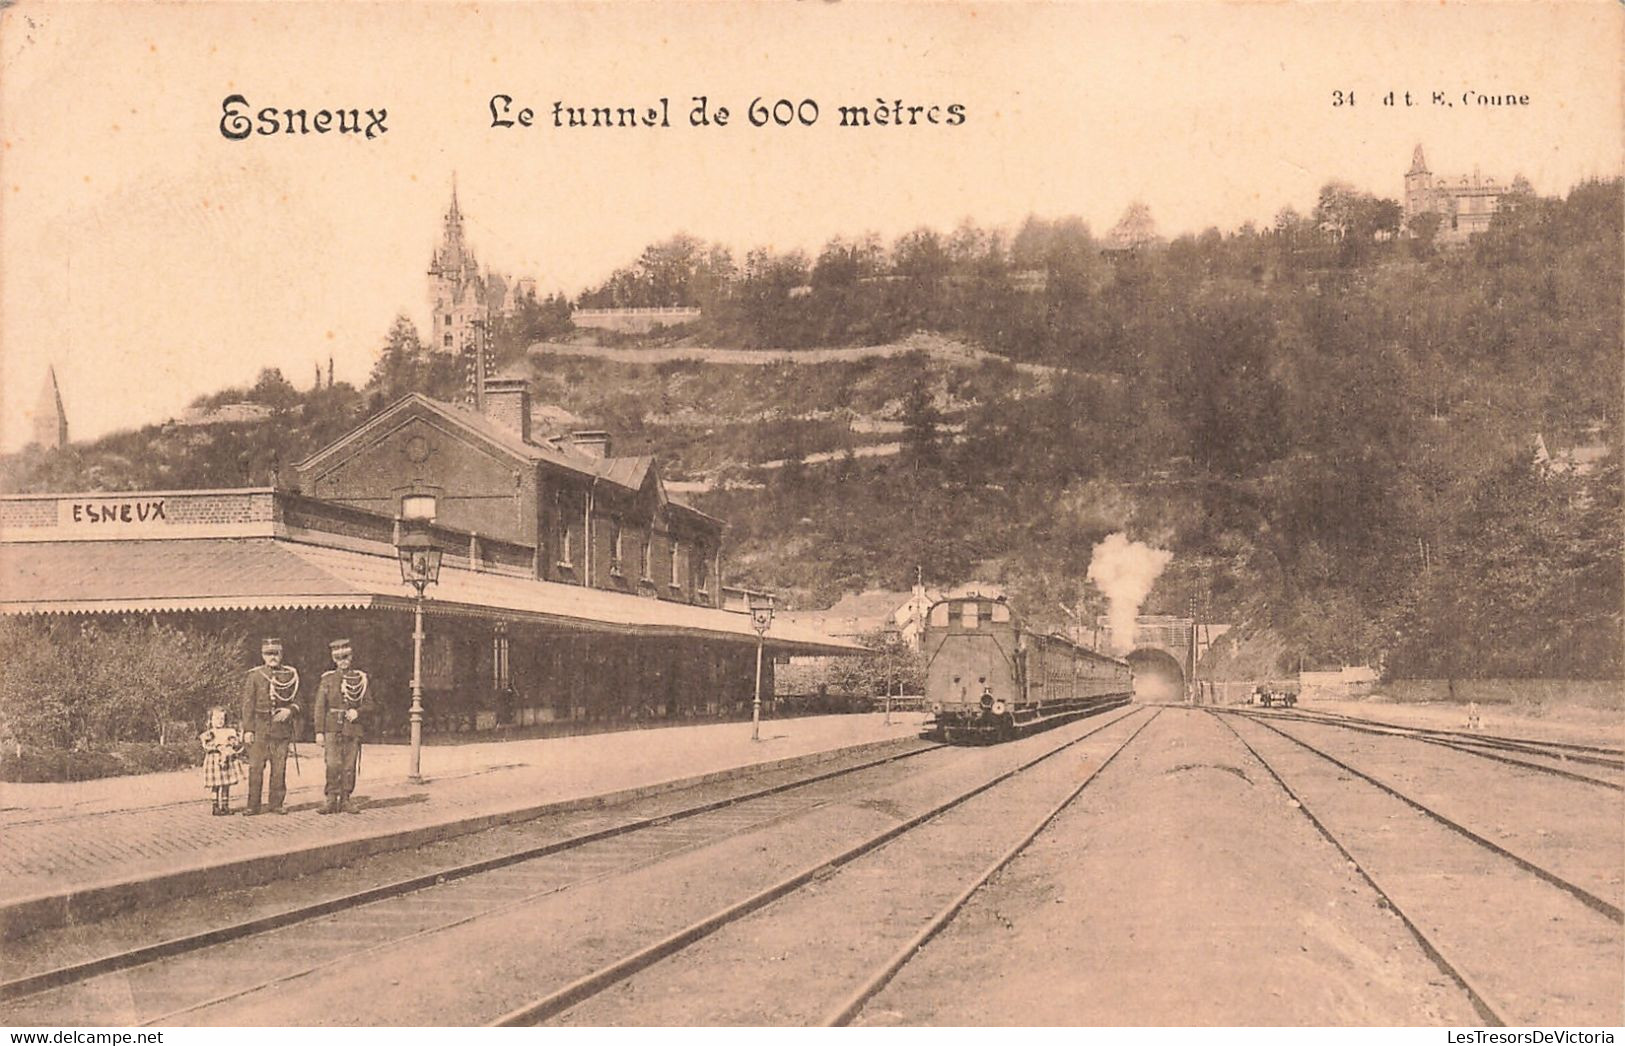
(267, 573)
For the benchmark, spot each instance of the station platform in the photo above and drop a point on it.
(70, 852)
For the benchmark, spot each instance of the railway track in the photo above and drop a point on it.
(748, 809)
(594, 984)
(1462, 896)
(197, 978)
(877, 980)
(1486, 746)
(1532, 743)
(1557, 756)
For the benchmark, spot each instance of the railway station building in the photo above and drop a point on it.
(574, 588)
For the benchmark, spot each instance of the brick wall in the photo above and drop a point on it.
(255, 507)
(178, 509)
(30, 513)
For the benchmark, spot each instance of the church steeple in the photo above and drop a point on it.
(1418, 164)
(50, 420)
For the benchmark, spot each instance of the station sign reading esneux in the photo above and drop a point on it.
(111, 511)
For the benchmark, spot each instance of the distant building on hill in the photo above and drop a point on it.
(635, 320)
(226, 414)
(50, 421)
(1465, 205)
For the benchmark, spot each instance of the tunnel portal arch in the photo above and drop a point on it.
(1158, 675)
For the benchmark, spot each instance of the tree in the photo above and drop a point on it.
(1231, 403)
(1336, 209)
(147, 676)
(402, 362)
(71, 685)
(273, 390)
(1424, 229)
(920, 420)
(889, 666)
(1135, 229)
(1384, 216)
(532, 320)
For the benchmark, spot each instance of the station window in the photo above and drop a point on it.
(969, 614)
(676, 551)
(615, 547)
(562, 508)
(648, 573)
(499, 659)
(1001, 613)
(940, 615)
(702, 570)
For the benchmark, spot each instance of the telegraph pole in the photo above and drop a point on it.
(1193, 686)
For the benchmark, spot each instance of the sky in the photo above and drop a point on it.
(150, 259)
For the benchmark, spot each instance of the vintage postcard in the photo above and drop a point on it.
(889, 514)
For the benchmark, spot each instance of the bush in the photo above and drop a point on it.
(82, 686)
(28, 763)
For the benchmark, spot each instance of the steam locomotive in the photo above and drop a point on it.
(988, 678)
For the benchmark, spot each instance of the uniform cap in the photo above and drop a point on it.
(271, 645)
(339, 646)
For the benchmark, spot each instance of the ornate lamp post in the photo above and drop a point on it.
(761, 619)
(891, 671)
(420, 568)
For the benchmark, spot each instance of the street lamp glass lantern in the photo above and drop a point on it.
(761, 612)
(420, 557)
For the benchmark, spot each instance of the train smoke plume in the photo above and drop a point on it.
(1125, 571)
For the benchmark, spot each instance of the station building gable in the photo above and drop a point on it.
(421, 447)
(589, 518)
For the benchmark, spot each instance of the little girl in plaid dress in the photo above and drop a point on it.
(223, 766)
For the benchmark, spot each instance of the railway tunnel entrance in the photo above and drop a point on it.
(1158, 676)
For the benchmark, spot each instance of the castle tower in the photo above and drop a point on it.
(50, 420)
(455, 292)
(1418, 185)
(466, 301)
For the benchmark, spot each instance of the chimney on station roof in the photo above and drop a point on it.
(594, 443)
(507, 402)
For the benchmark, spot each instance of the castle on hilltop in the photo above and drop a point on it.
(466, 300)
(1464, 205)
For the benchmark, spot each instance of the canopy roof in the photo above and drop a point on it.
(267, 573)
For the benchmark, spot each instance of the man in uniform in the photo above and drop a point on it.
(269, 716)
(341, 707)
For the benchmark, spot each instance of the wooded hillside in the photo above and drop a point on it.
(1333, 427)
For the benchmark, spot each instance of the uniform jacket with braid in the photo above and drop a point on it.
(331, 704)
(259, 702)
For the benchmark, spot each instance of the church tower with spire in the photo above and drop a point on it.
(50, 420)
